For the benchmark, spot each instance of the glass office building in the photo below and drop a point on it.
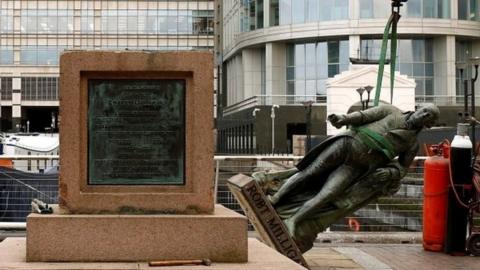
(284, 51)
(34, 33)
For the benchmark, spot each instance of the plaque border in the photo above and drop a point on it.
(184, 180)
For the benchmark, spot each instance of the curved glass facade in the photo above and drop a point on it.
(305, 11)
(414, 59)
(309, 65)
(413, 9)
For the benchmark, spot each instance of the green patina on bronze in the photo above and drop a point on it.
(136, 132)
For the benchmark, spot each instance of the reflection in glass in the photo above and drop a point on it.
(6, 55)
(303, 11)
(298, 12)
(413, 8)
(46, 21)
(40, 55)
(274, 13)
(469, 10)
(159, 21)
(6, 21)
(309, 65)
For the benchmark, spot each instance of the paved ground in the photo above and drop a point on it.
(343, 253)
(385, 257)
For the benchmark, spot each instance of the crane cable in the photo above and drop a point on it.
(391, 24)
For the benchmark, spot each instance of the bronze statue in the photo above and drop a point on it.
(348, 170)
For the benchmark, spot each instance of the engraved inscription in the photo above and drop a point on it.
(136, 132)
(263, 217)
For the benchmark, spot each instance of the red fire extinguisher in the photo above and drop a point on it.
(435, 190)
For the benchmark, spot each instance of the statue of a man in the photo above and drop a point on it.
(348, 170)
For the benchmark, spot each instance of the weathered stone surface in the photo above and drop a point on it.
(263, 217)
(261, 257)
(221, 237)
(195, 196)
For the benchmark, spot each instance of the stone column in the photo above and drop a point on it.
(16, 103)
(275, 68)
(266, 13)
(453, 10)
(354, 9)
(354, 46)
(444, 66)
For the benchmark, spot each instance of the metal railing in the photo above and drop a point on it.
(19, 186)
(400, 212)
(443, 100)
(282, 100)
(267, 100)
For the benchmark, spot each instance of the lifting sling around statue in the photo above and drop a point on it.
(347, 171)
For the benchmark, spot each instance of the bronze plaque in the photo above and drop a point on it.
(263, 217)
(136, 132)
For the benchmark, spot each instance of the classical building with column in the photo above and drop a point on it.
(33, 33)
(283, 52)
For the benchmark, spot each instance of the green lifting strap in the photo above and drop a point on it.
(391, 24)
(375, 141)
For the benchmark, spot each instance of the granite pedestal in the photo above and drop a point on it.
(221, 237)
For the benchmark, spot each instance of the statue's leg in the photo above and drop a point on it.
(330, 158)
(335, 184)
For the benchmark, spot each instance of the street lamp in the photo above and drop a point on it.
(308, 122)
(254, 112)
(360, 91)
(252, 136)
(272, 115)
(475, 61)
(462, 66)
(369, 89)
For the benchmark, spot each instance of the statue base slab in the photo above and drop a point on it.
(263, 217)
(220, 237)
(260, 257)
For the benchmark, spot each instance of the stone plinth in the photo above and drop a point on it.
(221, 237)
(79, 69)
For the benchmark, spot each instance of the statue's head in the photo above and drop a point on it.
(425, 116)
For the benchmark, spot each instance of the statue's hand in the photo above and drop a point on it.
(381, 175)
(336, 120)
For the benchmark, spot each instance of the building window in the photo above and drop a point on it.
(6, 21)
(40, 55)
(413, 8)
(274, 13)
(251, 15)
(87, 21)
(414, 59)
(200, 22)
(463, 53)
(6, 88)
(46, 21)
(6, 55)
(39, 88)
(203, 22)
(302, 11)
(469, 10)
(309, 65)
